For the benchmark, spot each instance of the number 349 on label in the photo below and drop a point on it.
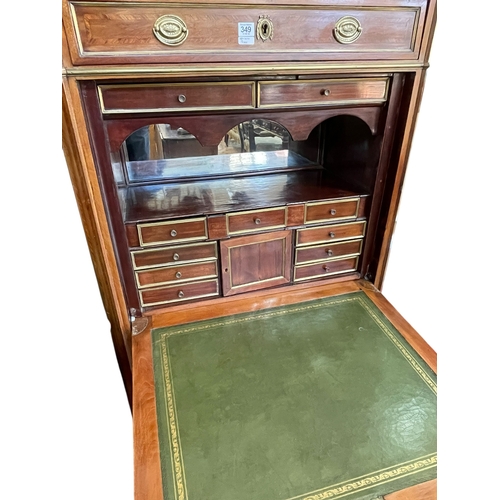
(246, 33)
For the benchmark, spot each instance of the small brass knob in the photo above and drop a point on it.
(331, 234)
(180, 294)
(326, 268)
(176, 256)
(325, 92)
(178, 274)
(181, 98)
(173, 233)
(329, 252)
(257, 220)
(333, 211)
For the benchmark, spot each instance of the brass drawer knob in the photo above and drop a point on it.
(347, 30)
(325, 92)
(178, 274)
(333, 211)
(181, 98)
(180, 294)
(331, 234)
(170, 30)
(257, 220)
(326, 268)
(176, 256)
(329, 252)
(173, 233)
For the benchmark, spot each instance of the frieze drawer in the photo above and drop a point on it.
(343, 91)
(166, 275)
(326, 268)
(157, 233)
(333, 232)
(256, 220)
(148, 32)
(174, 255)
(178, 293)
(140, 98)
(332, 210)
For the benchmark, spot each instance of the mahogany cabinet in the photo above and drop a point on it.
(225, 154)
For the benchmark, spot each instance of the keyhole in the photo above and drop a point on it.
(264, 29)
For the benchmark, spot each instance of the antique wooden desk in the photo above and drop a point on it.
(231, 157)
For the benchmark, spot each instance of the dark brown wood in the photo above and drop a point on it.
(172, 231)
(254, 262)
(331, 210)
(122, 34)
(174, 255)
(423, 491)
(176, 274)
(179, 293)
(331, 232)
(323, 93)
(176, 96)
(256, 220)
(328, 251)
(326, 268)
(132, 235)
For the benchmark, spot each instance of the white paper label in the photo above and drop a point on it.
(246, 33)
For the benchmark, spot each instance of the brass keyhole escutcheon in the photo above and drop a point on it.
(265, 28)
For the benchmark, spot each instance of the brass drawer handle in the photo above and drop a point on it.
(180, 294)
(181, 98)
(325, 92)
(333, 211)
(331, 234)
(170, 30)
(173, 233)
(178, 274)
(257, 220)
(176, 256)
(329, 252)
(347, 30)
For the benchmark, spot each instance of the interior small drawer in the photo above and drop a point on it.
(178, 293)
(306, 255)
(166, 275)
(157, 97)
(157, 233)
(333, 232)
(332, 210)
(256, 220)
(169, 256)
(342, 91)
(327, 268)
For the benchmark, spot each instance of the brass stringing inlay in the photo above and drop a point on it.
(338, 490)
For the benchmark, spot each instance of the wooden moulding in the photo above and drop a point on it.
(79, 159)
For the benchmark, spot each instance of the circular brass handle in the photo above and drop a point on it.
(176, 256)
(347, 30)
(173, 233)
(326, 268)
(329, 252)
(333, 211)
(170, 30)
(325, 92)
(181, 98)
(180, 294)
(257, 220)
(331, 234)
(178, 274)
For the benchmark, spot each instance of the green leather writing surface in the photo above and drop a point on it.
(314, 401)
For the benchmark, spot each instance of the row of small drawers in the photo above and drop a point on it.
(196, 229)
(186, 272)
(116, 99)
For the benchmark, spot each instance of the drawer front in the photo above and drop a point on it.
(256, 220)
(116, 99)
(178, 293)
(332, 210)
(327, 268)
(345, 91)
(157, 233)
(170, 256)
(121, 33)
(334, 232)
(324, 252)
(166, 275)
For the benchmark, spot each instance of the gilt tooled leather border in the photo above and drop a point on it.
(338, 490)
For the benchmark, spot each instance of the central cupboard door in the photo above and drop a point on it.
(255, 262)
